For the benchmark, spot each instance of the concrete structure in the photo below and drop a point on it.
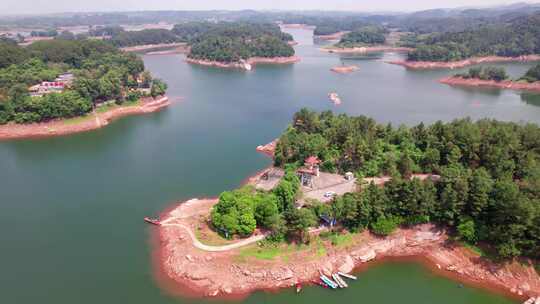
(309, 171)
(56, 86)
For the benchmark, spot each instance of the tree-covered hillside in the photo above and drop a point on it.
(489, 185)
(521, 36)
(231, 42)
(101, 73)
(368, 35)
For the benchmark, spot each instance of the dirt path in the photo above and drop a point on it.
(201, 246)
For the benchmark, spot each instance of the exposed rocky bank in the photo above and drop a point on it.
(90, 122)
(506, 84)
(425, 65)
(246, 64)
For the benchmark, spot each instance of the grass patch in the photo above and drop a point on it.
(210, 237)
(338, 239)
(105, 108)
(283, 251)
(77, 120)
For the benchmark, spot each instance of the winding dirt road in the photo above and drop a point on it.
(250, 240)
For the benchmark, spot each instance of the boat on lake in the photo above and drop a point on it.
(339, 281)
(329, 282)
(334, 97)
(153, 221)
(348, 276)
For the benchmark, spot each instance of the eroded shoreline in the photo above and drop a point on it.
(426, 65)
(505, 84)
(189, 271)
(253, 61)
(92, 121)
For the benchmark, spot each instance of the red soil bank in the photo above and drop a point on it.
(507, 84)
(251, 61)
(345, 69)
(424, 65)
(93, 122)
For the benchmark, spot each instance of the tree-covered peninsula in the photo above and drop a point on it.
(517, 37)
(486, 191)
(234, 41)
(68, 78)
(365, 36)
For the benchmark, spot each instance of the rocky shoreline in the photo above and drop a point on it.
(425, 65)
(506, 84)
(90, 122)
(200, 273)
(186, 270)
(246, 64)
(365, 50)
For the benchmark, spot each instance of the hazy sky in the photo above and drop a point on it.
(55, 6)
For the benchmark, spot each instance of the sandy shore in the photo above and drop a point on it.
(507, 84)
(251, 61)
(424, 65)
(90, 122)
(365, 50)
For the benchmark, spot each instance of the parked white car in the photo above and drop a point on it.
(329, 194)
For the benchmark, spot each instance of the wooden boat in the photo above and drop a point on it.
(153, 221)
(339, 281)
(334, 97)
(329, 282)
(348, 276)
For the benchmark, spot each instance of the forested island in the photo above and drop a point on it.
(453, 193)
(497, 78)
(60, 79)
(234, 44)
(517, 39)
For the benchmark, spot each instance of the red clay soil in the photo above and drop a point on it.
(208, 274)
(345, 69)
(185, 270)
(424, 65)
(507, 84)
(92, 122)
(268, 149)
(365, 50)
(252, 61)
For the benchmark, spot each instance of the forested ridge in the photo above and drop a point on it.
(488, 191)
(101, 73)
(369, 35)
(122, 38)
(521, 36)
(231, 41)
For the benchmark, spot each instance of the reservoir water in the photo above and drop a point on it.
(71, 208)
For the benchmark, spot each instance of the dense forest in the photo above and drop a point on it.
(485, 73)
(121, 38)
(368, 35)
(489, 184)
(519, 37)
(231, 42)
(101, 73)
(499, 74)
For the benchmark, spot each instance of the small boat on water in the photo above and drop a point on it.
(334, 97)
(348, 276)
(298, 287)
(339, 281)
(329, 282)
(320, 283)
(153, 221)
